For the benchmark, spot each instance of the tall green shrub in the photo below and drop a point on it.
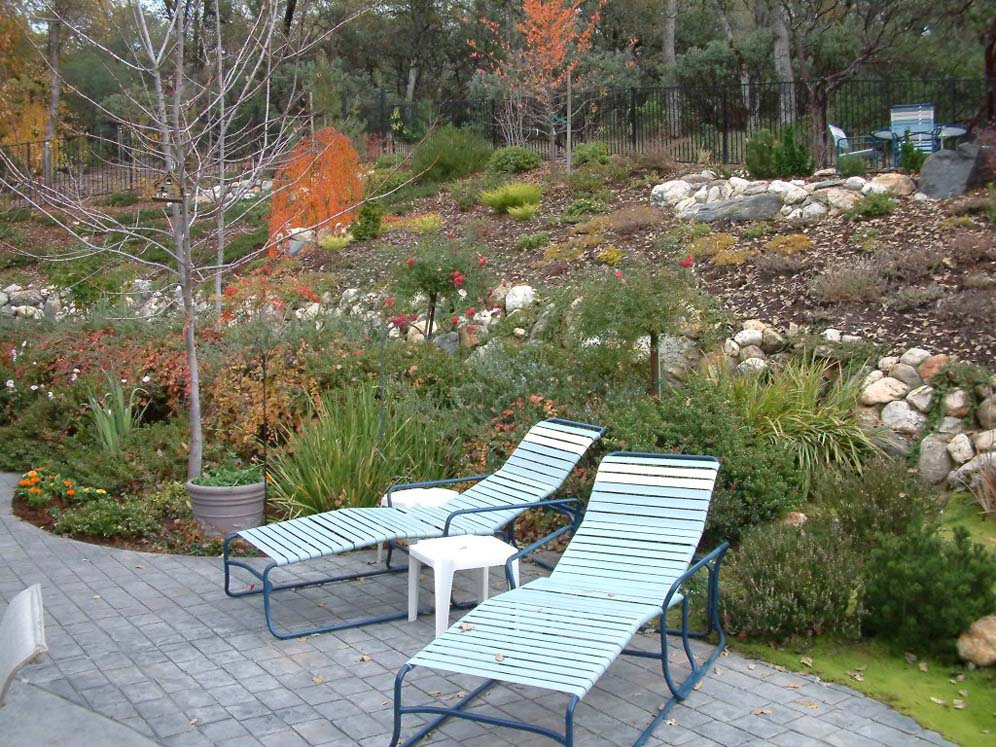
(513, 159)
(791, 155)
(761, 155)
(450, 153)
(353, 450)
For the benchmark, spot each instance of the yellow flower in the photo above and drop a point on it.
(101, 491)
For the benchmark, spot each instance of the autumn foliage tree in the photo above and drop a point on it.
(318, 187)
(534, 64)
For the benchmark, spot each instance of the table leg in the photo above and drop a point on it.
(485, 573)
(443, 582)
(414, 570)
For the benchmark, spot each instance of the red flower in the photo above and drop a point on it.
(389, 302)
(401, 322)
(454, 319)
(481, 261)
(619, 274)
(458, 278)
(688, 261)
(449, 234)
(410, 261)
(470, 312)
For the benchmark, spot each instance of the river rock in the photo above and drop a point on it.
(771, 341)
(895, 184)
(751, 351)
(906, 374)
(962, 477)
(951, 425)
(960, 448)
(751, 366)
(956, 404)
(977, 645)
(27, 297)
(902, 418)
(883, 391)
(519, 297)
(670, 193)
(741, 209)
(949, 173)
(887, 363)
(934, 463)
(855, 183)
(448, 343)
(871, 378)
(985, 441)
(986, 413)
(922, 398)
(794, 195)
(471, 336)
(930, 367)
(747, 337)
(914, 357)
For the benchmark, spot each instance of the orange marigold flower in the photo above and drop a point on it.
(70, 492)
(24, 483)
(36, 491)
(67, 483)
(32, 473)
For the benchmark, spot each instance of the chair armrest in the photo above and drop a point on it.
(529, 550)
(556, 505)
(711, 561)
(431, 484)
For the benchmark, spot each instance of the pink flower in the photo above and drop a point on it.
(470, 312)
(481, 261)
(619, 274)
(449, 234)
(454, 319)
(410, 261)
(389, 302)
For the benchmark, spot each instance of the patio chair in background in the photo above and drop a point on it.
(532, 474)
(861, 145)
(625, 566)
(915, 121)
(22, 636)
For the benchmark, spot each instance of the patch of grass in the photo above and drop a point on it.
(757, 230)
(11, 234)
(246, 243)
(873, 205)
(623, 222)
(333, 243)
(980, 281)
(893, 680)
(712, 244)
(15, 215)
(963, 511)
(956, 222)
(513, 194)
(913, 297)
(419, 224)
(867, 240)
(523, 212)
(532, 241)
(578, 209)
(857, 283)
(121, 199)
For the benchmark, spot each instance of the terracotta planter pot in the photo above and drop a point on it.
(224, 510)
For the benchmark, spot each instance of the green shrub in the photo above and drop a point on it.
(785, 581)
(513, 194)
(246, 243)
(335, 242)
(910, 159)
(849, 166)
(348, 457)
(395, 184)
(761, 155)
(532, 241)
(758, 480)
(523, 212)
(107, 517)
(450, 153)
(585, 182)
(922, 591)
(367, 223)
(884, 500)
(579, 209)
(227, 477)
(872, 205)
(585, 153)
(809, 408)
(792, 158)
(513, 159)
(757, 230)
(467, 193)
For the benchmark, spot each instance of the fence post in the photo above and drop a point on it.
(724, 120)
(632, 118)
(494, 123)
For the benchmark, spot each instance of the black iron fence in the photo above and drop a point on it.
(689, 123)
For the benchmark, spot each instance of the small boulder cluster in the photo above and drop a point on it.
(707, 198)
(901, 396)
(34, 303)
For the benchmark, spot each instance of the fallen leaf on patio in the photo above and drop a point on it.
(922, 666)
(461, 694)
(911, 658)
(856, 675)
(671, 722)
(752, 666)
(464, 627)
(193, 722)
(725, 652)
(778, 668)
(959, 704)
(761, 712)
(140, 567)
(251, 587)
(364, 659)
(96, 596)
(809, 704)
(317, 680)
(937, 700)
(806, 661)
(499, 657)
(698, 686)
(793, 686)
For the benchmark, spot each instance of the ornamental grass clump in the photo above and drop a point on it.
(355, 448)
(511, 195)
(113, 416)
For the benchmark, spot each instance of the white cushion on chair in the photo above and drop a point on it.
(22, 635)
(420, 497)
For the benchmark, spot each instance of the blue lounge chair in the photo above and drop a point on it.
(533, 473)
(862, 145)
(915, 121)
(625, 566)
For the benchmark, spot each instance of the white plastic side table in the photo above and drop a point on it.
(446, 556)
(416, 498)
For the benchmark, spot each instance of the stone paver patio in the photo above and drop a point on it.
(152, 641)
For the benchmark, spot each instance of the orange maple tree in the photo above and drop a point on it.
(319, 187)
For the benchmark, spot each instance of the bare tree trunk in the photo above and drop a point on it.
(222, 126)
(783, 64)
(744, 76)
(570, 123)
(990, 71)
(53, 43)
(669, 29)
(819, 96)
(412, 81)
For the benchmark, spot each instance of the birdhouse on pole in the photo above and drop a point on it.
(168, 189)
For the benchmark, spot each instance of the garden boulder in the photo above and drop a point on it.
(977, 645)
(934, 463)
(883, 391)
(755, 207)
(986, 413)
(894, 184)
(949, 173)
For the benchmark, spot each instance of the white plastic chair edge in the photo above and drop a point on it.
(28, 642)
